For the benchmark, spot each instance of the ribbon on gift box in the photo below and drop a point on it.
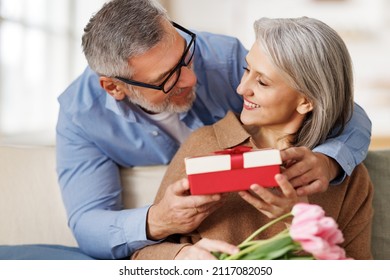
(236, 155)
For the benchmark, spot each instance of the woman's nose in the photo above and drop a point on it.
(244, 87)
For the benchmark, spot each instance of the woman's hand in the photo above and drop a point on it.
(273, 202)
(203, 248)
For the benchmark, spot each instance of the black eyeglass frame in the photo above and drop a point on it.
(177, 68)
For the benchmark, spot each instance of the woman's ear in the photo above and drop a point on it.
(305, 106)
(113, 88)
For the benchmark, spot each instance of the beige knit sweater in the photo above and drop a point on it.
(349, 203)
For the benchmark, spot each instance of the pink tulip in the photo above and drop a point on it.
(329, 231)
(331, 253)
(303, 230)
(302, 207)
(316, 233)
(313, 245)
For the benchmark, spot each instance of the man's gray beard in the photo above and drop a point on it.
(138, 99)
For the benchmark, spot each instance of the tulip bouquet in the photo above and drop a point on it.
(310, 236)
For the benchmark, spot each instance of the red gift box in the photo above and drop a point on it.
(232, 170)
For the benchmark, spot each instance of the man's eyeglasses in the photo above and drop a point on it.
(172, 78)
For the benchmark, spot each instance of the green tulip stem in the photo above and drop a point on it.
(256, 244)
(257, 232)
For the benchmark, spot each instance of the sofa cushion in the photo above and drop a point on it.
(378, 164)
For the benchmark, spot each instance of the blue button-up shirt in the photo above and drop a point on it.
(97, 134)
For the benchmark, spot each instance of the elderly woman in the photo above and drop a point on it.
(297, 88)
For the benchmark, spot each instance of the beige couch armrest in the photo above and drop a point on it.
(31, 208)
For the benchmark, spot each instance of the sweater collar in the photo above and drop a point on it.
(230, 132)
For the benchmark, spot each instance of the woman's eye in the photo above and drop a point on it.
(246, 68)
(261, 82)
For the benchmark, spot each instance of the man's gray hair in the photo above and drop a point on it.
(315, 61)
(120, 30)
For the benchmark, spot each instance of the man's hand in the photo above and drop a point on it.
(201, 250)
(308, 171)
(179, 212)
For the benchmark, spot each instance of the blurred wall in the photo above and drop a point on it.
(40, 51)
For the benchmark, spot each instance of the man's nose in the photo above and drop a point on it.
(187, 77)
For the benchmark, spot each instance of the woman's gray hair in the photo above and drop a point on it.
(315, 61)
(120, 30)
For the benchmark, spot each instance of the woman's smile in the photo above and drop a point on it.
(249, 105)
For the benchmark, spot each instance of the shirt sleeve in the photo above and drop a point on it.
(351, 147)
(91, 191)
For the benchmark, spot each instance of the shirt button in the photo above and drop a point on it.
(155, 133)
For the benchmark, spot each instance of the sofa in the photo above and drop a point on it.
(32, 212)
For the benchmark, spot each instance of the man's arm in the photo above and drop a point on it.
(351, 147)
(332, 160)
(91, 191)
